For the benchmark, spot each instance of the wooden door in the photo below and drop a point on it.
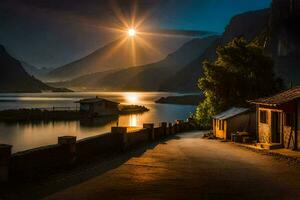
(275, 127)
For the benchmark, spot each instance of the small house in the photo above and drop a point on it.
(94, 107)
(233, 120)
(278, 119)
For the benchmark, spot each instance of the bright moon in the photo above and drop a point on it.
(132, 98)
(131, 32)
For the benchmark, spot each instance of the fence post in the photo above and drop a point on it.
(70, 143)
(121, 136)
(150, 126)
(179, 125)
(190, 123)
(164, 128)
(170, 128)
(5, 158)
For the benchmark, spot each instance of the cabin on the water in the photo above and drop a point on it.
(98, 107)
(233, 120)
(279, 119)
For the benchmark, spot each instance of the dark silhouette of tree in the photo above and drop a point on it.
(240, 72)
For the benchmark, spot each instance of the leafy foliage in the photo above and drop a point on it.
(241, 72)
(204, 113)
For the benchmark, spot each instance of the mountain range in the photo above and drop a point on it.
(277, 28)
(145, 77)
(125, 52)
(14, 78)
(112, 67)
(247, 25)
(35, 71)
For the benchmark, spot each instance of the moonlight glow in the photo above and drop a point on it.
(131, 32)
(131, 98)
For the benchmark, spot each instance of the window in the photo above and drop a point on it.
(263, 116)
(289, 119)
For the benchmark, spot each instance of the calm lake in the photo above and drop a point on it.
(30, 135)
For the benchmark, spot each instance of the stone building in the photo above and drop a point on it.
(233, 120)
(94, 107)
(278, 119)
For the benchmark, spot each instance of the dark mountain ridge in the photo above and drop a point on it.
(146, 77)
(125, 52)
(40, 73)
(13, 77)
(247, 25)
(278, 30)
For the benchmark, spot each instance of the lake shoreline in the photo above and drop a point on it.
(30, 134)
(62, 115)
(181, 100)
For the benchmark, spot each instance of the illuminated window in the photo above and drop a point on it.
(263, 116)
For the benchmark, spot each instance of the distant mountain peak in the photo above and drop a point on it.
(145, 77)
(121, 54)
(13, 77)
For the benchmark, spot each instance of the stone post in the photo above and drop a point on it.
(174, 128)
(178, 125)
(170, 128)
(150, 126)
(5, 158)
(157, 133)
(186, 126)
(69, 142)
(190, 123)
(121, 136)
(164, 128)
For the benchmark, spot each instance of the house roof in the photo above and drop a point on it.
(280, 98)
(232, 112)
(94, 100)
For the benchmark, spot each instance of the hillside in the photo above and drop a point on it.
(34, 71)
(124, 53)
(146, 77)
(186, 79)
(278, 30)
(247, 25)
(88, 81)
(283, 41)
(13, 77)
(192, 99)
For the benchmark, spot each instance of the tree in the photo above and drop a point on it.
(240, 72)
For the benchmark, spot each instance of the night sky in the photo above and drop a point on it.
(49, 33)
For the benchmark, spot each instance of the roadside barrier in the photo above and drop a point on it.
(68, 151)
